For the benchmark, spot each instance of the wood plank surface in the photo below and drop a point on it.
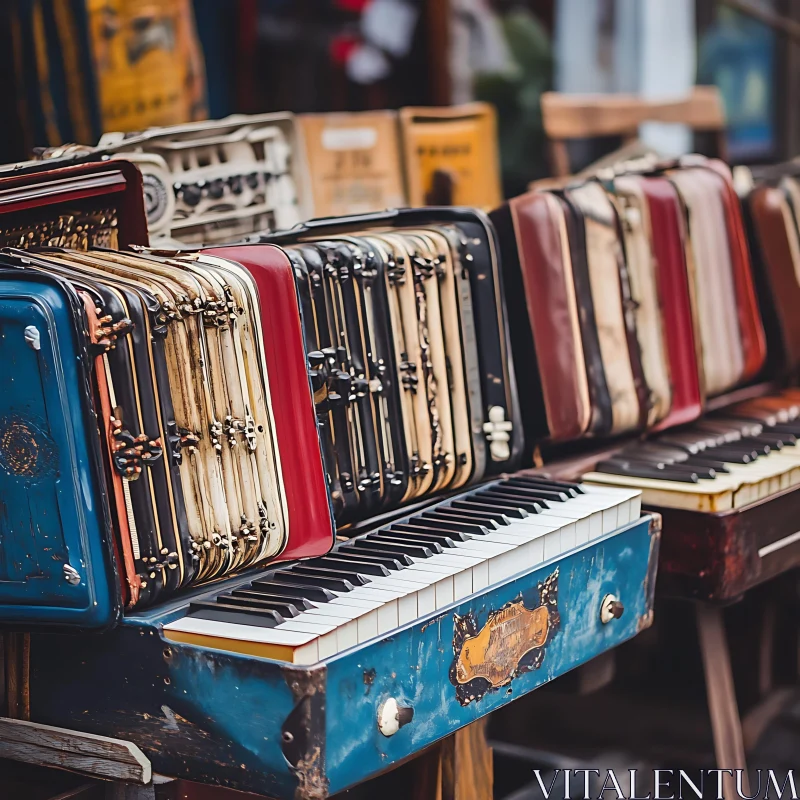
(98, 756)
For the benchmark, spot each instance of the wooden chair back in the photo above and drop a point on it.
(574, 116)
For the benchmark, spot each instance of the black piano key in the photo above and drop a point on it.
(465, 527)
(493, 496)
(459, 515)
(638, 460)
(415, 536)
(351, 574)
(734, 456)
(789, 428)
(640, 471)
(263, 618)
(729, 433)
(382, 552)
(363, 567)
(561, 486)
(717, 466)
(286, 610)
(300, 603)
(690, 448)
(316, 594)
(324, 581)
(774, 440)
(705, 473)
(420, 533)
(500, 514)
(391, 564)
(517, 485)
(529, 494)
(456, 535)
(392, 546)
(762, 448)
(646, 451)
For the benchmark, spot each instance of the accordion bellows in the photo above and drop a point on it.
(186, 361)
(635, 295)
(408, 352)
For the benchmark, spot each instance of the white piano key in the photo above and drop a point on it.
(328, 644)
(407, 609)
(483, 546)
(316, 625)
(480, 577)
(582, 520)
(368, 626)
(426, 600)
(347, 635)
(245, 633)
(462, 585)
(388, 617)
(552, 545)
(569, 537)
(355, 601)
(307, 653)
(504, 566)
(444, 593)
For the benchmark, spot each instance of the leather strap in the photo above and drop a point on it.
(601, 420)
(608, 291)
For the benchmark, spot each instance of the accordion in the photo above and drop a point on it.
(207, 182)
(157, 417)
(413, 376)
(225, 405)
(636, 297)
(771, 204)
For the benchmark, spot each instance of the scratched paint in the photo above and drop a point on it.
(223, 718)
(49, 463)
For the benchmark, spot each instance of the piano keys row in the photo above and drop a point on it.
(723, 461)
(382, 580)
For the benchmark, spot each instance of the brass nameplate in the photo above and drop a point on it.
(512, 641)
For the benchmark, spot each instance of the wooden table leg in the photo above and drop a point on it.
(458, 768)
(725, 721)
(16, 669)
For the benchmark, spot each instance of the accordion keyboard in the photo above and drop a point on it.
(378, 581)
(720, 463)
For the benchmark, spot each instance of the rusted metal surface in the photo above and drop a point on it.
(303, 732)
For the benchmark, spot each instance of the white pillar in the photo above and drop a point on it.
(667, 67)
(653, 54)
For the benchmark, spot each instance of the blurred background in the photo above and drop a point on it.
(74, 69)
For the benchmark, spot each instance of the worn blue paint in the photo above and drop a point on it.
(216, 717)
(413, 665)
(49, 485)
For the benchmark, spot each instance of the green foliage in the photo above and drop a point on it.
(516, 94)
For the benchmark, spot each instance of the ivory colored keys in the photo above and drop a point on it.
(387, 578)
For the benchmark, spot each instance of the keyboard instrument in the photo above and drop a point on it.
(724, 461)
(727, 489)
(635, 294)
(279, 586)
(373, 583)
(301, 681)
